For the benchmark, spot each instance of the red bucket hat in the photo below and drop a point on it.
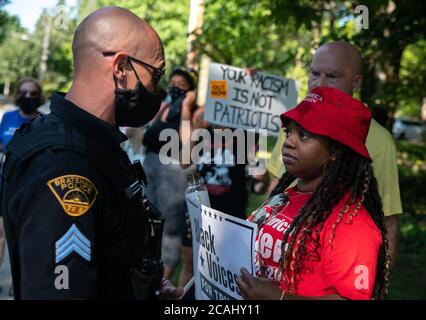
(334, 114)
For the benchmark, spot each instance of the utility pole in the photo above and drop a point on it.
(45, 47)
(195, 25)
(193, 59)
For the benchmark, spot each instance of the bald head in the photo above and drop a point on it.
(338, 65)
(114, 29)
(346, 51)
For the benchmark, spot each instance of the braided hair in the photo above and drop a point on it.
(349, 174)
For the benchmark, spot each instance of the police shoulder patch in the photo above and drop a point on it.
(76, 194)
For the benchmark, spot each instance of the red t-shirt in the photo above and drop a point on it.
(346, 267)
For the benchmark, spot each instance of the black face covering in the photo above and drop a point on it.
(174, 93)
(135, 107)
(28, 105)
(175, 96)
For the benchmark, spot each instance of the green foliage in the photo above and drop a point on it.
(410, 153)
(5, 21)
(394, 26)
(21, 52)
(59, 64)
(244, 33)
(278, 36)
(281, 36)
(169, 19)
(412, 83)
(19, 58)
(408, 280)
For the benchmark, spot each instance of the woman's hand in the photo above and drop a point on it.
(198, 119)
(189, 106)
(253, 288)
(189, 100)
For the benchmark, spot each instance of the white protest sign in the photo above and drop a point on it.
(237, 100)
(194, 201)
(224, 244)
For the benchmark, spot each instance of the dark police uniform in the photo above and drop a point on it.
(74, 227)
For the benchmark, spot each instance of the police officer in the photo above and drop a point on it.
(75, 218)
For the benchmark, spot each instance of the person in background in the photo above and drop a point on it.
(28, 97)
(167, 182)
(224, 177)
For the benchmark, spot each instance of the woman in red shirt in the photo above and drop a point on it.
(324, 237)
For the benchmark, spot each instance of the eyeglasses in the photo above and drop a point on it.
(32, 94)
(157, 72)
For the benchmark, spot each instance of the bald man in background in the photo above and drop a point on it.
(76, 221)
(339, 65)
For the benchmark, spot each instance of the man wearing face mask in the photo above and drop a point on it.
(169, 179)
(77, 222)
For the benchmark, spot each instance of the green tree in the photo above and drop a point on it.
(281, 36)
(394, 26)
(5, 20)
(410, 92)
(60, 23)
(268, 35)
(21, 52)
(170, 20)
(19, 57)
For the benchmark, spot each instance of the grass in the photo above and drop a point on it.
(408, 280)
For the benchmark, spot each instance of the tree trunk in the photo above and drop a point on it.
(6, 88)
(195, 25)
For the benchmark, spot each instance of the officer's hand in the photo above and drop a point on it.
(168, 291)
(253, 288)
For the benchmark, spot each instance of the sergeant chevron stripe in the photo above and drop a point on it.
(72, 241)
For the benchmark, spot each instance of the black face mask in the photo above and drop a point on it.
(135, 107)
(175, 96)
(28, 105)
(175, 93)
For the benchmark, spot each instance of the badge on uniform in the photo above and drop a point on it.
(76, 194)
(73, 241)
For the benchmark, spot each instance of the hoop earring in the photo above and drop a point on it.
(325, 167)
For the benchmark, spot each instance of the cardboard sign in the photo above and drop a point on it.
(223, 244)
(237, 100)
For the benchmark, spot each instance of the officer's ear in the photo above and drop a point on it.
(120, 69)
